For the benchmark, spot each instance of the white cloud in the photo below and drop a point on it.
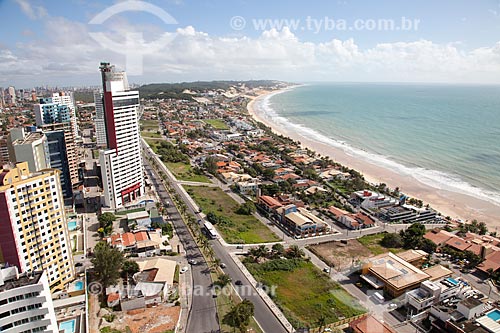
(69, 55)
(33, 12)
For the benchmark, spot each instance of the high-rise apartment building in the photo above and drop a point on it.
(11, 92)
(25, 302)
(33, 227)
(121, 161)
(62, 154)
(67, 98)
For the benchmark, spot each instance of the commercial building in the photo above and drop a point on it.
(300, 222)
(25, 302)
(392, 274)
(121, 160)
(33, 227)
(11, 95)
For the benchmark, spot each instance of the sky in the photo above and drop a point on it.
(61, 43)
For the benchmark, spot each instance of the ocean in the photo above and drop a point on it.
(445, 136)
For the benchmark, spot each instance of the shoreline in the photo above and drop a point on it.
(448, 203)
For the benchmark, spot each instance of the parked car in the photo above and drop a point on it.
(183, 270)
(192, 262)
(238, 283)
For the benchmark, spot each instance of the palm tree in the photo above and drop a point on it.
(295, 252)
(321, 322)
(223, 280)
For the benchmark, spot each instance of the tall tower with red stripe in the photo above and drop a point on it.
(117, 119)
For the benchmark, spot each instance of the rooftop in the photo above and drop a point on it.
(395, 271)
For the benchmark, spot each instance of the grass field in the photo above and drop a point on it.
(150, 134)
(217, 124)
(242, 228)
(372, 243)
(153, 142)
(305, 294)
(151, 125)
(183, 171)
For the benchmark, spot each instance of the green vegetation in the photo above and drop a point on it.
(108, 329)
(150, 134)
(105, 223)
(184, 171)
(107, 263)
(235, 228)
(304, 293)
(217, 124)
(239, 316)
(475, 227)
(175, 90)
(148, 125)
(374, 244)
(95, 153)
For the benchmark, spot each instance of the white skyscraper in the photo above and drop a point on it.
(121, 162)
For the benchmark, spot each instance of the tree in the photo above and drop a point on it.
(427, 245)
(482, 229)
(278, 249)
(239, 316)
(106, 223)
(258, 252)
(211, 165)
(223, 280)
(412, 236)
(295, 252)
(129, 267)
(392, 240)
(107, 263)
(247, 208)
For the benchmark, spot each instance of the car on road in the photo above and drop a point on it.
(326, 270)
(222, 265)
(238, 283)
(183, 269)
(192, 262)
(78, 264)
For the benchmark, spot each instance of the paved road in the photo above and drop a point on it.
(263, 315)
(203, 311)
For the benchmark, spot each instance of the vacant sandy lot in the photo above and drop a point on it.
(339, 255)
(153, 320)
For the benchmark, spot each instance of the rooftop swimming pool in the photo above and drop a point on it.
(79, 285)
(494, 315)
(452, 281)
(72, 225)
(68, 326)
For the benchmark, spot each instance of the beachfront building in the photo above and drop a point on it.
(432, 292)
(121, 160)
(25, 302)
(372, 200)
(33, 227)
(300, 223)
(392, 274)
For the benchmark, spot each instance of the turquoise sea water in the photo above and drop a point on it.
(446, 136)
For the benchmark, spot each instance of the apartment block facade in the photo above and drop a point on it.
(33, 227)
(121, 162)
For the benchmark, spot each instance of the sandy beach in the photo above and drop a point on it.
(455, 205)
